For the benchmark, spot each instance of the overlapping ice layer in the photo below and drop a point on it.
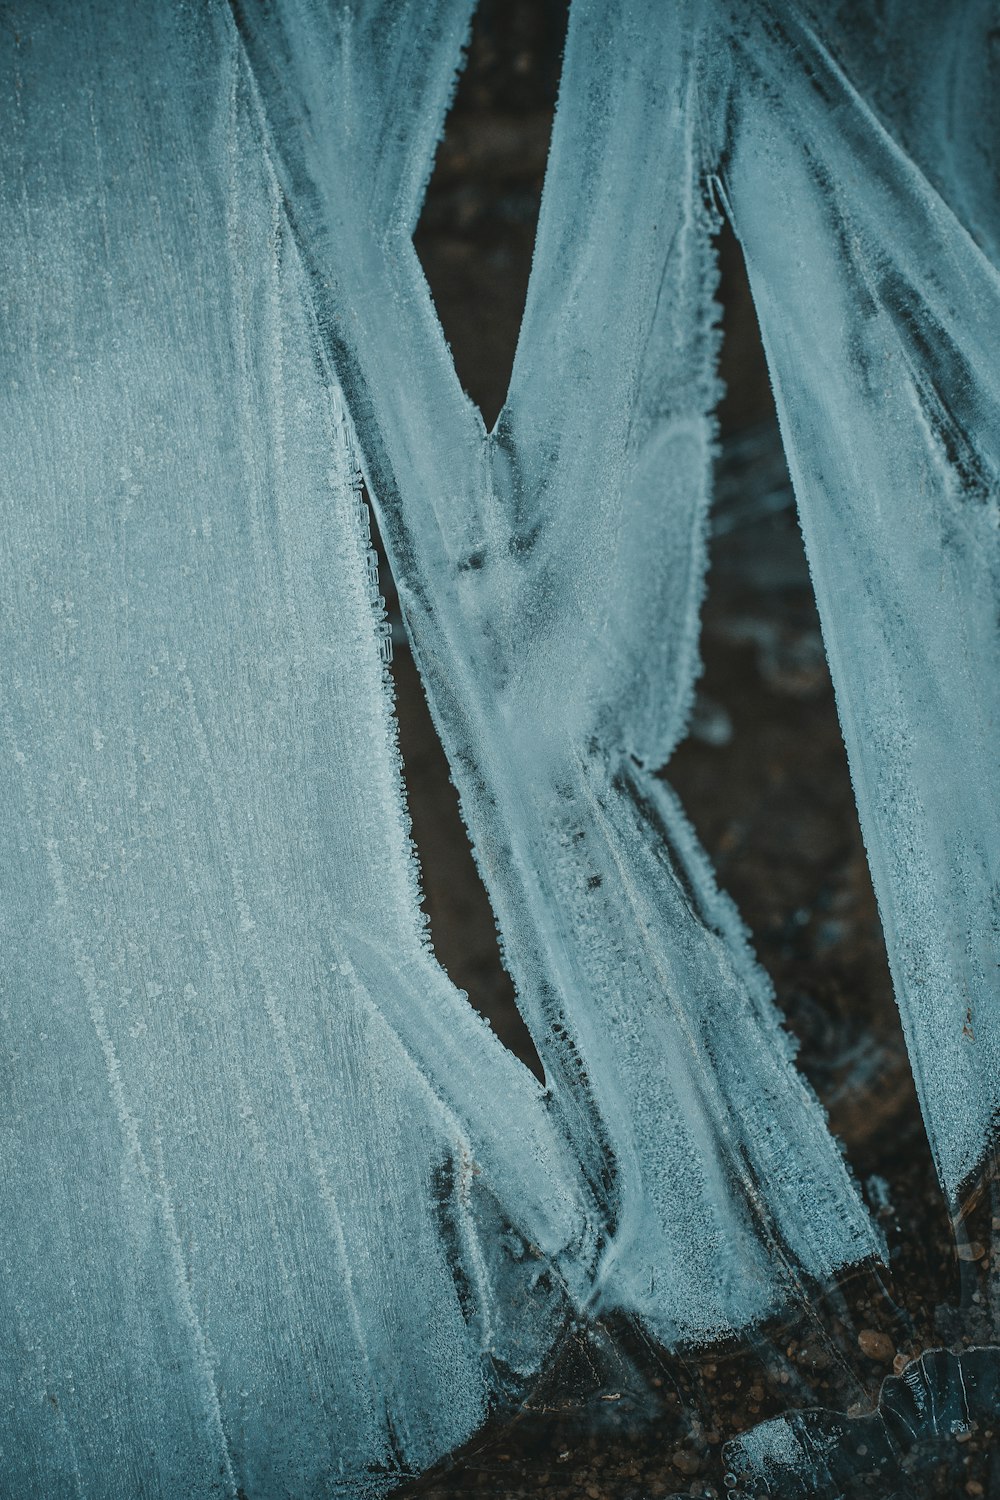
(550, 573)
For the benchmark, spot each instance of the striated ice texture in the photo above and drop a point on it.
(879, 304)
(279, 1214)
(255, 1205)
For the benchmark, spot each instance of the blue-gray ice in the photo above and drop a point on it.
(279, 1214)
(876, 149)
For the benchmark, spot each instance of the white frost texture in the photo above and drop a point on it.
(279, 1215)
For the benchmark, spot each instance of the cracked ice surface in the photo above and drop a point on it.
(550, 573)
(296, 1216)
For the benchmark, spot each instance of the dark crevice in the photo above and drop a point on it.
(476, 233)
(475, 240)
(764, 773)
(462, 926)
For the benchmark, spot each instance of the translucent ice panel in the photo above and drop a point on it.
(256, 1210)
(880, 315)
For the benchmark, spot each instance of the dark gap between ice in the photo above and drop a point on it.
(475, 240)
(476, 233)
(764, 775)
(462, 927)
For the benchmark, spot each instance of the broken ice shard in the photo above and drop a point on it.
(550, 573)
(880, 311)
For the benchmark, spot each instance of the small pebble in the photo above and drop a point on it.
(972, 1251)
(875, 1345)
(901, 1361)
(688, 1463)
